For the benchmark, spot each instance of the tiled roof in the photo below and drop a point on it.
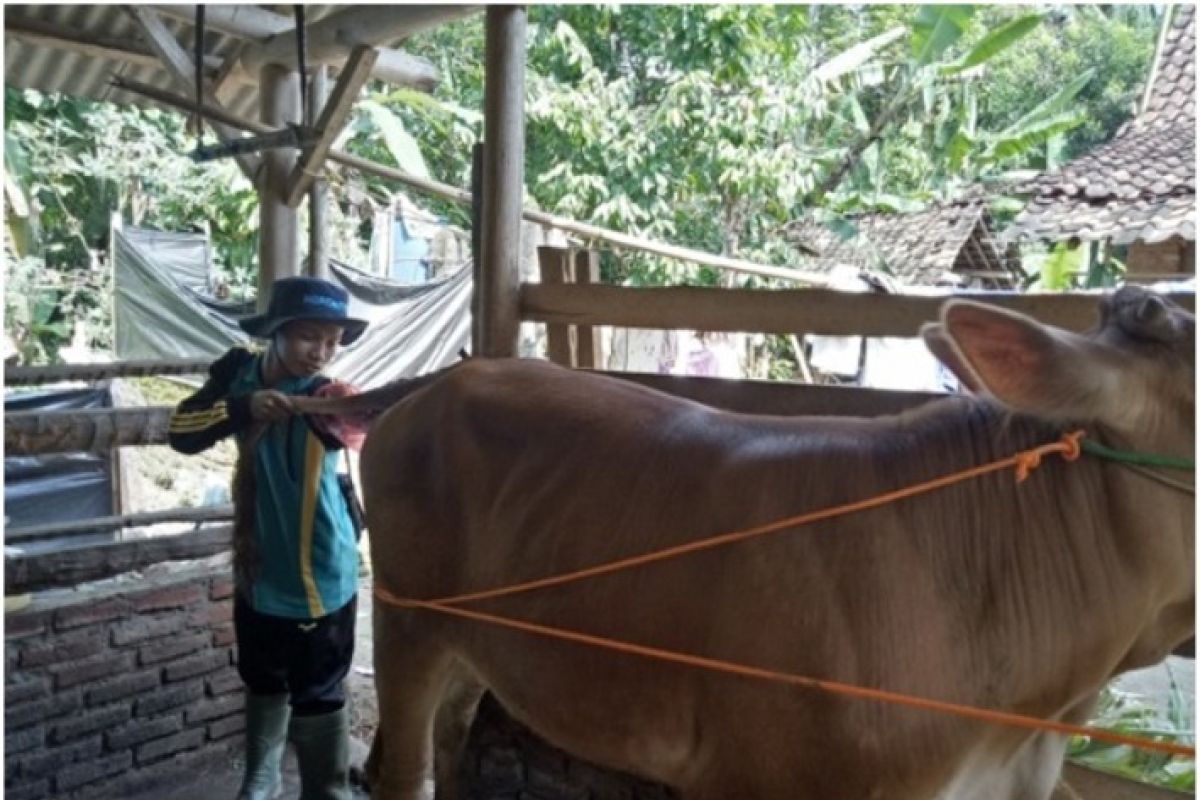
(921, 248)
(1141, 185)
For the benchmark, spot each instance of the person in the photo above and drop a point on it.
(295, 554)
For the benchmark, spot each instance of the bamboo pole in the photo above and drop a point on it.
(279, 227)
(90, 430)
(55, 530)
(17, 375)
(590, 233)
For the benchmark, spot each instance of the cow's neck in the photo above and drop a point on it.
(1081, 569)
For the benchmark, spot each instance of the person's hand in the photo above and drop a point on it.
(269, 405)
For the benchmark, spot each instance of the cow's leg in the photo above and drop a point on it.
(452, 727)
(410, 677)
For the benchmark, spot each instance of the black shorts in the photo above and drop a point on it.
(306, 658)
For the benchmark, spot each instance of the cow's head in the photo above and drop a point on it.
(1134, 372)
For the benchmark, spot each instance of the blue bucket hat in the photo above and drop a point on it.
(305, 298)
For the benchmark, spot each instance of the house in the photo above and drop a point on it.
(1138, 189)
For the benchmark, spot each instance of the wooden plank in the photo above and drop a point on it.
(93, 430)
(781, 399)
(553, 264)
(55, 530)
(503, 179)
(587, 343)
(785, 311)
(334, 116)
(179, 63)
(1090, 784)
(68, 567)
(57, 373)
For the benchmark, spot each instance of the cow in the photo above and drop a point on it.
(1022, 597)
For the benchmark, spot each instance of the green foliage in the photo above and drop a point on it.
(1131, 714)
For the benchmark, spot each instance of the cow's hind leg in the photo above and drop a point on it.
(411, 673)
(452, 727)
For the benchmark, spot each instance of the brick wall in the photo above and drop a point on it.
(113, 691)
(505, 761)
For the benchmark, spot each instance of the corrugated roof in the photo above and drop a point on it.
(38, 63)
(922, 248)
(1141, 185)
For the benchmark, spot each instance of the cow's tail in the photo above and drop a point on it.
(369, 404)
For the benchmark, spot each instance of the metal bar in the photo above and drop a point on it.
(55, 530)
(56, 373)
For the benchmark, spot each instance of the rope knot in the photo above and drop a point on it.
(1027, 462)
(1072, 448)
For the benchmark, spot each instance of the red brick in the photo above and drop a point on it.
(210, 615)
(90, 669)
(24, 690)
(227, 727)
(142, 628)
(223, 636)
(197, 665)
(55, 705)
(20, 741)
(123, 686)
(221, 707)
(160, 748)
(224, 682)
(170, 697)
(221, 588)
(97, 720)
(25, 623)
(38, 790)
(94, 770)
(62, 648)
(88, 613)
(169, 597)
(172, 648)
(142, 731)
(45, 763)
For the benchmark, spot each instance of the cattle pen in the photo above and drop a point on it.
(119, 685)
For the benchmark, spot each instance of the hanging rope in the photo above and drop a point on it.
(301, 47)
(198, 119)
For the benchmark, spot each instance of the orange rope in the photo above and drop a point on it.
(1024, 463)
(834, 687)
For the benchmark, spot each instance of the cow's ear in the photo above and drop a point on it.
(943, 350)
(1028, 366)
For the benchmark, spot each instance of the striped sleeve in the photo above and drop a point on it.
(211, 414)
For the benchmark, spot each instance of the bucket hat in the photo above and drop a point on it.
(305, 298)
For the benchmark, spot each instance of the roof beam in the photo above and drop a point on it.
(330, 40)
(333, 118)
(181, 66)
(257, 24)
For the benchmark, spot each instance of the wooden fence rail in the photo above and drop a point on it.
(93, 430)
(32, 376)
(54, 530)
(814, 311)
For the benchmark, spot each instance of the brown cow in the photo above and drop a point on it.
(1025, 598)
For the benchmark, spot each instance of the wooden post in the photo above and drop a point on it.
(318, 194)
(587, 343)
(476, 247)
(554, 264)
(278, 229)
(503, 172)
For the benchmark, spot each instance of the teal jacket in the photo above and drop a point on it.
(307, 556)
